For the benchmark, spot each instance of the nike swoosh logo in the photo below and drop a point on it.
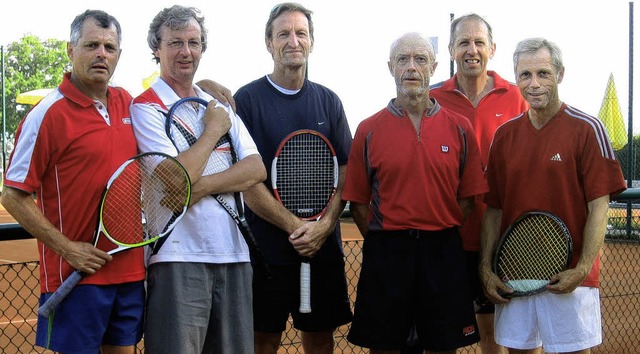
(321, 123)
(499, 114)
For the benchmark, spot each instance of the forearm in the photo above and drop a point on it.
(266, 206)
(24, 210)
(218, 91)
(466, 207)
(494, 288)
(360, 214)
(195, 158)
(594, 231)
(238, 178)
(336, 206)
(489, 236)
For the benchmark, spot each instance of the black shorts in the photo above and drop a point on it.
(481, 304)
(274, 299)
(413, 280)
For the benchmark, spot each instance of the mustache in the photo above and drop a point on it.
(100, 62)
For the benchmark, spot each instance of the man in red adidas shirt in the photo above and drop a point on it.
(557, 159)
(66, 149)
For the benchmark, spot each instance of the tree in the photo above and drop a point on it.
(31, 64)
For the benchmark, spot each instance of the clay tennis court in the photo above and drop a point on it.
(620, 294)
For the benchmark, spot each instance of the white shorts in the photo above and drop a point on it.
(560, 323)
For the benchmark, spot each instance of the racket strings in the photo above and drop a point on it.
(534, 250)
(305, 175)
(187, 126)
(162, 191)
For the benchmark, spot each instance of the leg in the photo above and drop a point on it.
(272, 300)
(329, 300)
(116, 349)
(318, 342)
(267, 343)
(526, 351)
(484, 308)
(487, 340)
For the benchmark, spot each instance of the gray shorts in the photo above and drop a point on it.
(199, 308)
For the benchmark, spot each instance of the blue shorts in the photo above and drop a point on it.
(413, 282)
(93, 315)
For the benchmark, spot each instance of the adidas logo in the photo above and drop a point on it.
(556, 157)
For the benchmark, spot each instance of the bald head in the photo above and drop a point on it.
(412, 40)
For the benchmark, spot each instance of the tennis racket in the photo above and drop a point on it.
(183, 126)
(143, 201)
(535, 247)
(304, 177)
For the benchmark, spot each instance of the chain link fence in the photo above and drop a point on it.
(620, 294)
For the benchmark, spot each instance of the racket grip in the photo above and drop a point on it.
(60, 294)
(305, 287)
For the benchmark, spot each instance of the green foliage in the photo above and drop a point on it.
(31, 64)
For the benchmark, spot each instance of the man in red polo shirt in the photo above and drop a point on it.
(413, 172)
(66, 149)
(487, 100)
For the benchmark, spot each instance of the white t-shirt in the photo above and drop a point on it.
(206, 233)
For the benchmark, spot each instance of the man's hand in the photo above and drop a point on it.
(308, 238)
(494, 288)
(85, 257)
(567, 281)
(216, 120)
(218, 91)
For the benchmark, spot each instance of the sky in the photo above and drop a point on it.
(352, 40)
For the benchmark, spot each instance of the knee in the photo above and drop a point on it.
(266, 343)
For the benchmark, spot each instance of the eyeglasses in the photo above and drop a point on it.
(179, 44)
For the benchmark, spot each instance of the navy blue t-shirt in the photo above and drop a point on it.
(270, 116)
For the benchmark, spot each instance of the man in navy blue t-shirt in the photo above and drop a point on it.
(272, 107)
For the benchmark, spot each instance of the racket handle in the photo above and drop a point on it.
(305, 287)
(47, 308)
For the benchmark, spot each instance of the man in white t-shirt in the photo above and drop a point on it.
(199, 280)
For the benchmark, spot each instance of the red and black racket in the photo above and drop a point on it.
(534, 248)
(304, 177)
(184, 125)
(143, 201)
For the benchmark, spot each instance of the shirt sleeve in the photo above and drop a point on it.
(33, 148)
(242, 140)
(148, 127)
(601, 172)
(341, 134)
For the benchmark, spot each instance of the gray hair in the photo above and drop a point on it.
(287, 7)
(413, 37)
(175, 17)
(468, 17)
(103, 19)
(532, 45)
